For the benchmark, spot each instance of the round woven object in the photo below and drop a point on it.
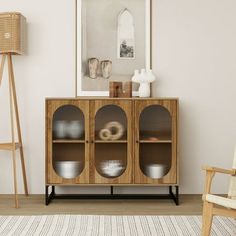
(116, 129)
(105, 134)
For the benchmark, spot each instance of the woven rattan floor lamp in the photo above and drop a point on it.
(12, 39)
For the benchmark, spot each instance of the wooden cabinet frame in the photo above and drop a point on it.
(132, 176)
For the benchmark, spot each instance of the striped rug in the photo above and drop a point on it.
(112, 225)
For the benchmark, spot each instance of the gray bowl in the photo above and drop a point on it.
(60, 129)
(68, 169)
(113, 171)
(156, 171)
(75, 129)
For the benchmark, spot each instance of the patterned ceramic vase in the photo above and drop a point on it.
(93, 64)
(106, 67)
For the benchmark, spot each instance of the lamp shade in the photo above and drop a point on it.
(12, 33)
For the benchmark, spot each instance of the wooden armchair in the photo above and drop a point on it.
(216, 205)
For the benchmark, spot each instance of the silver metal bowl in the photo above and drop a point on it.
(68, 169)
(156, 171)
(60, 129)
(112, 168)
(113, 172)
(75, 129)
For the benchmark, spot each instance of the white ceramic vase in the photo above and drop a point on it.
(145, 78)
(144, 90)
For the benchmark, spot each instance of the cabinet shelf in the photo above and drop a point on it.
(111, 141)
(67, 141)
(155, 141)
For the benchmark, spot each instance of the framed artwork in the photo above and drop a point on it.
(113, 39)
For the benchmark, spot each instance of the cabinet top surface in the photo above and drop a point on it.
(108, 98)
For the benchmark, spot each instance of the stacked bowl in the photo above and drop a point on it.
(112, 168)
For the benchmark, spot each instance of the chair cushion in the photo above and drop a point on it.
(222, 201)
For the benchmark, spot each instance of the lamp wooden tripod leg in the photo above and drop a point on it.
(13, 146)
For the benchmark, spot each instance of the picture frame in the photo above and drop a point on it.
(126, 52)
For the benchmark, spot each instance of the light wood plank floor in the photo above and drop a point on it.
(34, 205)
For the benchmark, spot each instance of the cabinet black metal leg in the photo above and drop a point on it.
(49, 197)
(46, 195)
(175, 196)
(53, 190)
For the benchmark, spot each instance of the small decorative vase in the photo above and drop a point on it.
(93, 64)
(145, 78)
(106, 67)
(144, 90)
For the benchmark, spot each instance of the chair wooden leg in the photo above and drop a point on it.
(207, 218)
(18, 125)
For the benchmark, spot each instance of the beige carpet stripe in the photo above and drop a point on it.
(82, 225)
(228, 225)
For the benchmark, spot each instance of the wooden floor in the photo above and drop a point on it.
(34, 205)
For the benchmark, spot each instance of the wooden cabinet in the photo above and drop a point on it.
(145, 154)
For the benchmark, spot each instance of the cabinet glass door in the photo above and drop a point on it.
(111, 147)
(69, 147)
(155, 134)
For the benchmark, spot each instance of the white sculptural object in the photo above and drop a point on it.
(145, 78)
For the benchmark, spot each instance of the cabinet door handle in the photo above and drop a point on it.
(92, 141)
(137, 141)
(87, 141)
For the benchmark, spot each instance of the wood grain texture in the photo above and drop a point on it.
(14, 118)
(51, 176)
(132, 108)
(120, 90)
(115, 88)
(126, 177)
(171, 177)
(9, 146)
(2, 67)
(34, 205)
(89, 98)
(17, 117)
(211, 209)
(207, 218)
(13, 131)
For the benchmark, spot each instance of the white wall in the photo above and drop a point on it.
(194, 56)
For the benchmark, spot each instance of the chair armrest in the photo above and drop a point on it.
(210, 173)
(219, 170)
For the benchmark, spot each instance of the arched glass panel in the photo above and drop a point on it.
(111, 127)
(155, 151)
(68, 141)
